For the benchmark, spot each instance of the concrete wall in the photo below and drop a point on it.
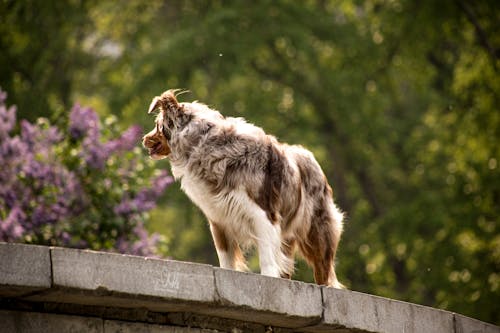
(45, 289)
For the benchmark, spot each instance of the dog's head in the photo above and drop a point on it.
(169, 118)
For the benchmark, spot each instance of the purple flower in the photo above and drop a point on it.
(39, 139)
(57, 189)
(7, 117)
(126, 141)
(12, 153)
(161, 182)
(84, 125)
(65, 237)
(11, 228)
(82, 122)
(94, 153)
(146, 198)
(144, 245)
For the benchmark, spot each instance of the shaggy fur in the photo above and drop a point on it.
(252, 189)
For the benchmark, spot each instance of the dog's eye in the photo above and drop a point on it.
(161, 129)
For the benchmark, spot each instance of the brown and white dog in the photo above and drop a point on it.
(252, 189)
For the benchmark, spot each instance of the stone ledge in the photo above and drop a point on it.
(108, 279)
(465, 324)
(86, 279)
(276, 302)
(23, 269)
(354, 310)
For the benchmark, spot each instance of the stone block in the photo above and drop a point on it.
(354, 310)
(266, 300)
(465, 324)
(23, 269)
(33, 322)
(106, 279)
(113, 326)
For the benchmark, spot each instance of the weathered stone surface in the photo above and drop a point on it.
(111, 326)
(99, 292)
(89, 277)
(23, 269)
(33, 322)
(468, 325)
(267, 300)
(186, 319)
(354, 310)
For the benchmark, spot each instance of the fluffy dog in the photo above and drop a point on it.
(252, 189)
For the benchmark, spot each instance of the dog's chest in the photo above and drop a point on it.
(232, 208)
(200, 194)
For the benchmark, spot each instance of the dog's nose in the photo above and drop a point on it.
(147, 137)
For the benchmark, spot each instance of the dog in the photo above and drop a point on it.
(253, 189)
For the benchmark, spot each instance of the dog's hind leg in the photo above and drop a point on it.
(288, 249)
(228, 251)
(319, 249)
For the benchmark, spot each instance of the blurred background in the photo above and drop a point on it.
(399, 100)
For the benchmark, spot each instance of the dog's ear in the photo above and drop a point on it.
(155, 104)
(167, 102)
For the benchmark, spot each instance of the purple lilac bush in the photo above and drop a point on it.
(83, 186)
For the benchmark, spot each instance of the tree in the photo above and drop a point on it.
(42, 53)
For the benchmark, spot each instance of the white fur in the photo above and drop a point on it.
(229, 210)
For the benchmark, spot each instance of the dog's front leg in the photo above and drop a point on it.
(221, 246)
(228, 251)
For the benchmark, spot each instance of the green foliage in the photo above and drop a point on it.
(398, 100)
(42, 53)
